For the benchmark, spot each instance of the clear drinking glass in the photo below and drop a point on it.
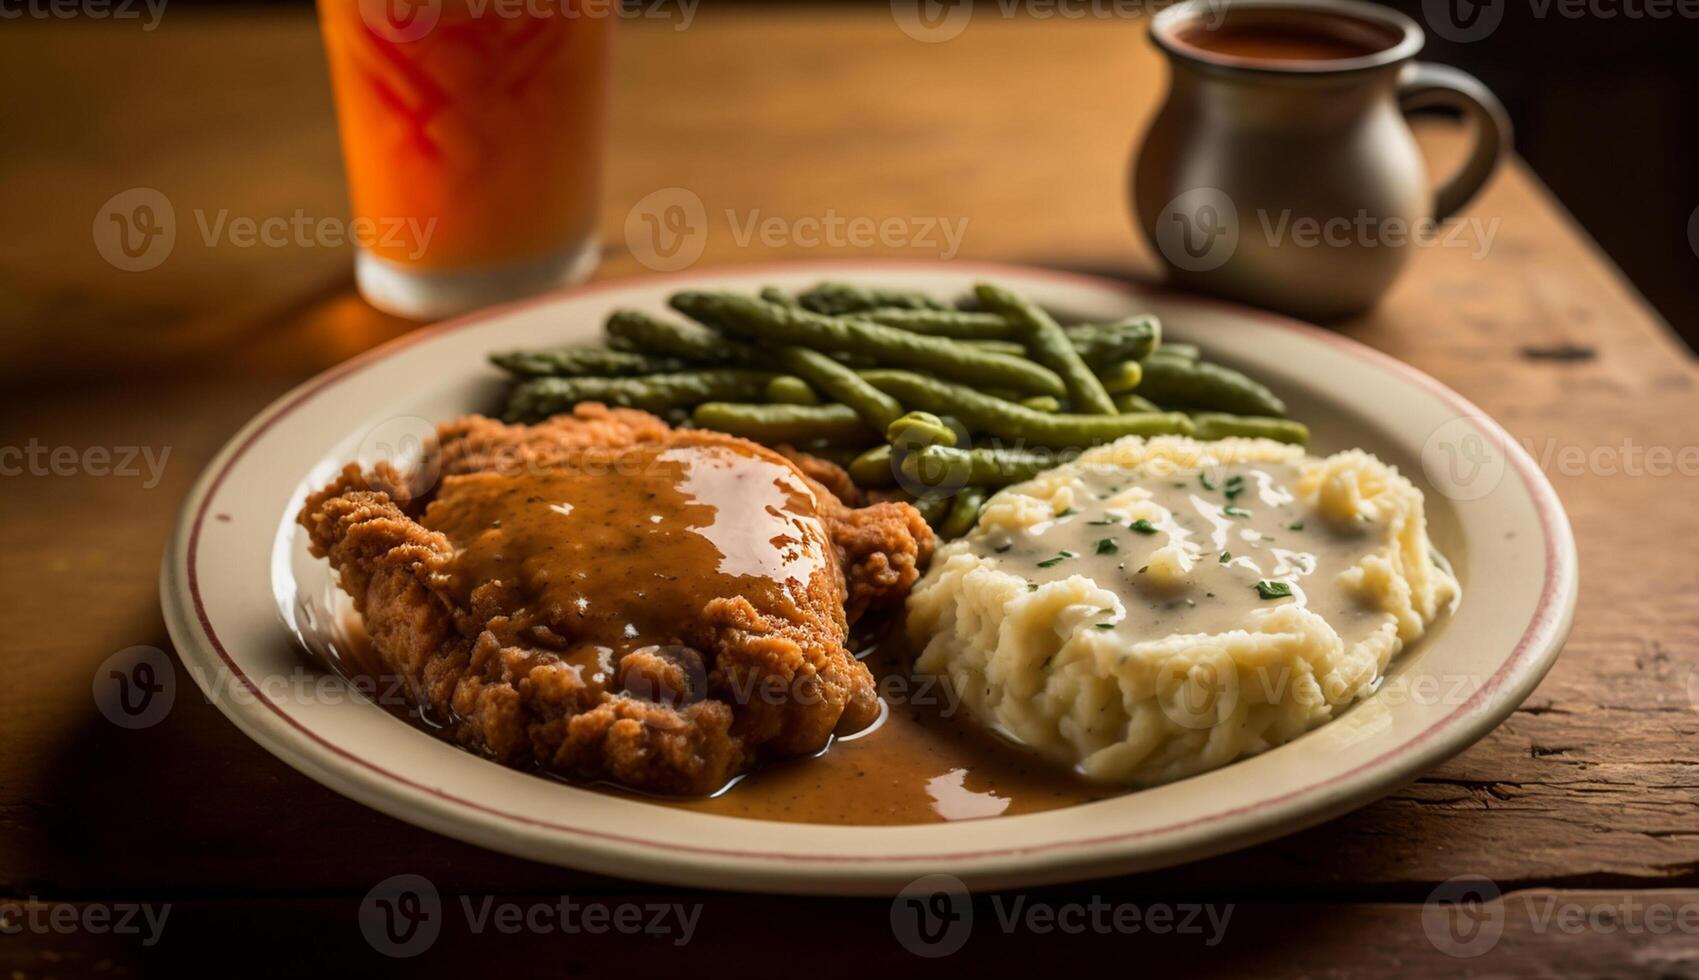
(472, 135)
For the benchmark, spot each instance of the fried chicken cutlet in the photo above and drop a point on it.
(606, 597)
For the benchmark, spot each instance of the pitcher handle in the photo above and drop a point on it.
(1424, 85)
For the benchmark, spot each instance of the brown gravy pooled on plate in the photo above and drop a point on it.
(920, 764)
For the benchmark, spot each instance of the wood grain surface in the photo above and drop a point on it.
(1587, 798)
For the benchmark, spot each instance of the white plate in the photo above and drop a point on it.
(236, 588)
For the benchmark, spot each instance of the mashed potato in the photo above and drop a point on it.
(1162, 607)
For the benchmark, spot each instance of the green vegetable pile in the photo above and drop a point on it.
(889, 383)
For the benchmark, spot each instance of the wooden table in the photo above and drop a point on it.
(1586, 800)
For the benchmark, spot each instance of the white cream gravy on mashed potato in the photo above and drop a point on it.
(1162, 607)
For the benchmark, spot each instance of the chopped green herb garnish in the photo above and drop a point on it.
(1231, 511)
(1102, 626)
(1059, 559)
(1032, 586)
(1295, 526)
(1273, 590)
(1106, 521)
(1002, 548)
(1066, 512)
(1204, 479)
(1107, 547)
(1234, 486)
(1143, 526)
(1226, 556)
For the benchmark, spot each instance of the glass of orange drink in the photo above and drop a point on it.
(472, 134)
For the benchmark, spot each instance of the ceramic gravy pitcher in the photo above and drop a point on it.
(1281, 170)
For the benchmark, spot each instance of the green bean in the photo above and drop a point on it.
(918, 429)
(1123, 377)
(934, 509)
(1175, 383)
(689, 341)
(1050, 346)
(778, 325)
(945, 323)
(1131, 401)
(788, 389)
(836, 298)
(539, 398)
(1042, 403)
(1217, 425)
(982, 413)
(839, 382)
(575, 362)
(790, 424)
(964, 513)
(777, 296)
(873, 468)
(1185, 352)
(1105, 344)
(992, 467)
(996, 346)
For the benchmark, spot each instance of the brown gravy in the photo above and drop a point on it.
(707, 520)
(921, 763)
(1287, 36)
